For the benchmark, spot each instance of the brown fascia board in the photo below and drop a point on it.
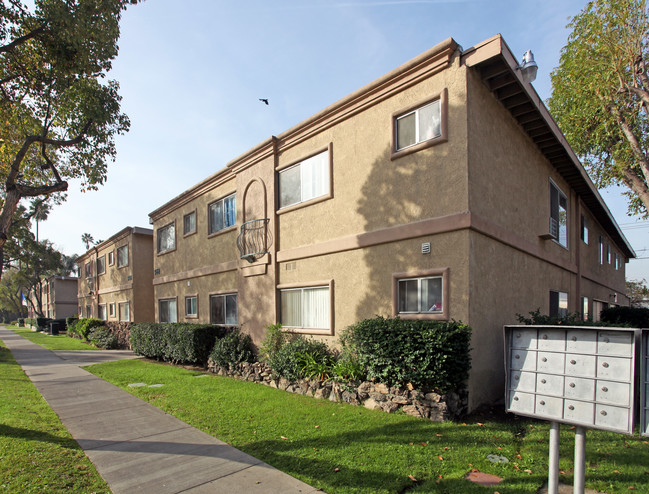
(495, 49)
(433, 60)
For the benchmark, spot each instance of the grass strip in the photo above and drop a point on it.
(37, 454)
(346, 449)
(52, 342)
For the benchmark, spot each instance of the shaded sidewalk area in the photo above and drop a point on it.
(135, 446)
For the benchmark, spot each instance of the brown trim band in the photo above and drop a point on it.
(113, 289)
(197, 273)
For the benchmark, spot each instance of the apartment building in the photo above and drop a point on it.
(115, 278)
(443, 190)
(57, 297)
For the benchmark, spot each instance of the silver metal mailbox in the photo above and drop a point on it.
(576, 375)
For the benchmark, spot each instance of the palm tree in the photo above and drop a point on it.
(87, 239)
(39, 210)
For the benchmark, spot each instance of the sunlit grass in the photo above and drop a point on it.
(341, 448)
(53, 342)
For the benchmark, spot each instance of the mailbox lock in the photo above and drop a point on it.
(605, 389)
(571, 407)
(518, 335)
(543, 381)
(541, 402)
(515, 398)
(605, 365)
(573, 362)
(606, 340)
(603, 412)
(517, 356)
(516, 378)
(574, 338)
(572, 385)
(545, 336)
(544, 359)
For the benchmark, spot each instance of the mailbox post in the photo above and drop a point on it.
(583, 376)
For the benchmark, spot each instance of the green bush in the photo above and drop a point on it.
(538, 319)
(633, 317)
(21, 322)
(176, 342)
(83, 327)
(288, 360)
(427, 354)
(70, 322)
(102, 337)
(274, 340)
(316, 365)
(31, 322)
(233, 348)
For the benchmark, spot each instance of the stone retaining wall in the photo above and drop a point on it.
(123, 332)
(375, 396)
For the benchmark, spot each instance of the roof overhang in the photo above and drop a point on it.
(497, 67)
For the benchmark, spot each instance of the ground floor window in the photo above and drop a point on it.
(308, 307)
(168, 310)
(558, 304)
(598, 307)
(191, 306)
(88, 311)
(111, 309)
(224, 309)
(124, 311)
(421, 294)
(585, 309)
(102, 312)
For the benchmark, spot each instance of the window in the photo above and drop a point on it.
(608, 253)
(189, 223)
(558, 215)
(221, 214)
(101, 265)
(585, 312)
(102, 312)
(124, 308)
(419, 125)
(168, 310)
(601, 250)
(122, 256)
(304, 181)
(584, 229)
(111, 309)
(420, 295)
(111, 258)
(88, 270)
(88, 311)
(307, 308)
(166, 238)
(191, 306)
(558, 304)
(224, 309)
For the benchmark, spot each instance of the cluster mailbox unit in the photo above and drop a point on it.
(644, 400)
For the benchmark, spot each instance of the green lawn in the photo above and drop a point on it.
(52, 342)
(341, 448)
(37, 454)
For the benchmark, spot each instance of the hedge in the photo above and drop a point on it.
(430, 355)
(634, 317)
(83, 327)
(179, 343)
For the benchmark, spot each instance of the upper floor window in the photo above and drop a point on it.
(122, 256)
(584, 229)
(419, 125)
(558, 215)
(88, 270)
(601, 250)
(167, 238)
(221, 214)
(111, 258)
(101, 265)
(189, 223)
(304, 181)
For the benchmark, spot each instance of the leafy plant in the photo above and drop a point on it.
(274, 340)
(102, 337)
(233, 348)
(349, 370)
(286, 362)
(83, 327)
(314, 365)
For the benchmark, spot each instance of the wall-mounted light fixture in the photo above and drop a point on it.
(528, 67)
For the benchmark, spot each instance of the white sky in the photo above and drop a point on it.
(192, 72)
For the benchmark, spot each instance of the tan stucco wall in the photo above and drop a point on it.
(142, 269)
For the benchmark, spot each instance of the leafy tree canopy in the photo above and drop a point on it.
(637, 291)
(601, 95)
(58, 114)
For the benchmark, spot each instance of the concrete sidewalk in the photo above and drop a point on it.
(135, 446)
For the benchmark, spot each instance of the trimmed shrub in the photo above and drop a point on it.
(70, 322)
(178, 343)
(274, 340)
(31, 322)
(289, 360)
(233, 348)
(83, 327)
(102, 337)
(42, 323)
(427, 354)
(633, 317)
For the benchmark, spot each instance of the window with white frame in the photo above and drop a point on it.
(420, 295)
(101, 265)
(558, 304)
(308, 308)
(585, 309)
(111, 309)
(167, 309)
(304, 181)
(189, 223)
(122, 256)
(191, 306)
(224, 309)
(221, 214)
(418, 125)
(167, 238)
(111, 258)
(124, 311)
(558, 215)
(584, 229)
(102, 312)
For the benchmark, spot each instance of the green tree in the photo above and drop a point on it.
(600, 95)
(39, 261)
(637, 291)
(12, 288)
(58, 115)
(87, 239)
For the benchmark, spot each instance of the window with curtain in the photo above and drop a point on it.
(304, 181)
(101, 265)
(224, 309)
(421, 295)
(168, 310)
(122, 256)
(419, 125)
(307, 308)
(189, 223)
(102, 312)
(124, 311)
(166, 238)
(558, 215)
(222, 214)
